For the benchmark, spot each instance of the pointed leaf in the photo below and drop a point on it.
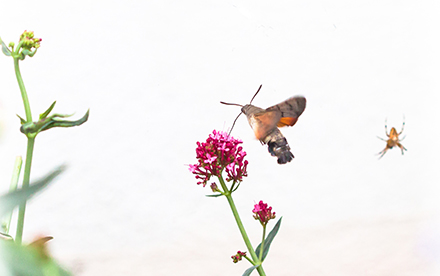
(60, 116)
(45, 113)
(5, 49)
(58, 123)
(257, 251)
(216, 195)
(22, 121)
(268, 240)
(10, 200)
(41, 241)
(249, 270)
(4, 236)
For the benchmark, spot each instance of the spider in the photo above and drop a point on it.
(393, 139)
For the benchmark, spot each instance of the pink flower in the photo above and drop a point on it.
(263, 213)
(237, 257)
(220, 151)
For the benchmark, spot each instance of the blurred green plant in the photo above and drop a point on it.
(27, 46)
(32, 259)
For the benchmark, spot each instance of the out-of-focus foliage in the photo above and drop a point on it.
(32, 259)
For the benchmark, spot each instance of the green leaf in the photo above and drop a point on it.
(27, 260)
(55, 116)
(33, 128)
(5, 236)
(22, 121)
(268, 240)
(10, 200)
(51, 121)
(216, 195)
(45, 113)
(18, 260)
(249, 270)
(5, 49)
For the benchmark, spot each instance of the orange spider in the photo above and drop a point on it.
(393, 139)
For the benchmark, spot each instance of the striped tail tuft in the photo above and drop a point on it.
(280, 148)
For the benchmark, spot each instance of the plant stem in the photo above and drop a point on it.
(27, 107)
(29, 151)
(26, 178)
(241, 227)
(262, 243)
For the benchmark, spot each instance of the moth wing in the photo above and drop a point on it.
(286, 121)
(265, 123)
(289, 110)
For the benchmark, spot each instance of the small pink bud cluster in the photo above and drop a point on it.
(263, 213)
(214, 187)
(238, 257)
(29, 42)
(220, 151)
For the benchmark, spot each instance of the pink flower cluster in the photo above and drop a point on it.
(220, 151)
(263, 213)
(237, 257)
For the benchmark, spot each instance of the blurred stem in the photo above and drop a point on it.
(241, 227)
(26, 178)
(13, 187)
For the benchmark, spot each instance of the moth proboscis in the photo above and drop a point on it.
(265, 123)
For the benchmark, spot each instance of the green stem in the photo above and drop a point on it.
(249, 260)
(241, 227)
(26, 178)
(262, 243)
(29, 152)
(27, 107)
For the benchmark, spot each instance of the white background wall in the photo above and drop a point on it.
(153, 73)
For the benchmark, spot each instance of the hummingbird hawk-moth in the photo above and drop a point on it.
(265, 124)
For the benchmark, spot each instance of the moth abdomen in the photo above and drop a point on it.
(283, 153)
(278, 146)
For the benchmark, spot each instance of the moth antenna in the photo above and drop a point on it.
(231, 104)
(256, 93)
(234, 124)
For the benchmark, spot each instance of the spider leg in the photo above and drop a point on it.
(404, 136)
(382, 153)
(402, 148)
(382, 138)
(403, 125)
(386, 130)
